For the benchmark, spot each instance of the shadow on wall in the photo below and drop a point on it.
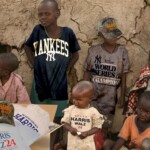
(5, 48)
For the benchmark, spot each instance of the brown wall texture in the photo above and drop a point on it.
(18, 17)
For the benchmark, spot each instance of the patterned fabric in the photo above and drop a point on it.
(141, 84)
(130, 131)
(6, 113)
(52, 57)
(14, 90)
(82, 120)
(105, 71)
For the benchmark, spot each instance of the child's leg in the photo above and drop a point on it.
(146, 144)
(108, 144)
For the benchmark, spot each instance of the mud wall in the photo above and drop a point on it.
(18, 17)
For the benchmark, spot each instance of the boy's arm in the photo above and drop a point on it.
(119, 143)
(73, 59)
(22, 94)
(123, 90)
(30, 55)
(86, 75)
(72, 130)
(88, 133)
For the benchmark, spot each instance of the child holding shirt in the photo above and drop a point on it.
(81, 120)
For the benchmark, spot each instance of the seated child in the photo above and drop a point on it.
(81, 120)
(136, 128)
(141, 84)
(12, 88)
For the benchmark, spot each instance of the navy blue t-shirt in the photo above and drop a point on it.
(52, 57)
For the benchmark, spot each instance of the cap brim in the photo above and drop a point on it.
(117, 32)
(113, 34)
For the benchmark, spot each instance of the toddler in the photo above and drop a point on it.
(81, 120)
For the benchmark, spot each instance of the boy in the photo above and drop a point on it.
(105, 65)
(136, 128)
(56, 51)
(12, 88)
(81, 120)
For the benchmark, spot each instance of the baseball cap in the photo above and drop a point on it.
(108, 27)
(6, 113)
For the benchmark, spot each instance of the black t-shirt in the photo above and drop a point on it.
(52, 57)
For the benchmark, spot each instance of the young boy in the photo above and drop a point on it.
(81, 120)
(56, 51)
(12, 88)
(136, 128)
(106, 64)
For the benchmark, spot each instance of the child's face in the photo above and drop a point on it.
(2, 69)
(112, 41)
(81, 99)
(143, 110)
(47, 14)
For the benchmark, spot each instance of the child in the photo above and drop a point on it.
(12, 88)
(81, 120)
(106, 64)
(56, 51)
(136, 128)
(142, 84)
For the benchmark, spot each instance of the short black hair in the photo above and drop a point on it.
(84, 85)
(51, 1)
(10, 60)
(144, 95)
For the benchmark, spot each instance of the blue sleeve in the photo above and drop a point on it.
(73, 43)
(33, 37)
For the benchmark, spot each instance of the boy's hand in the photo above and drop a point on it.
(73, 131)
(83, 135)
(132, 145)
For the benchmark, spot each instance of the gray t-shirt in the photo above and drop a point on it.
(105, 69)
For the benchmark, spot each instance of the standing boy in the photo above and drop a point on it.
(55, 52)
(106, 66)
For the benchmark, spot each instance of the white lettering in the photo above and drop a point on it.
(50, 57)
(35, 47)
(58, 47)
(50, 47)
(46, 45)
(104, 80)
(66, 49)
(52, 44)
(40, 48)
